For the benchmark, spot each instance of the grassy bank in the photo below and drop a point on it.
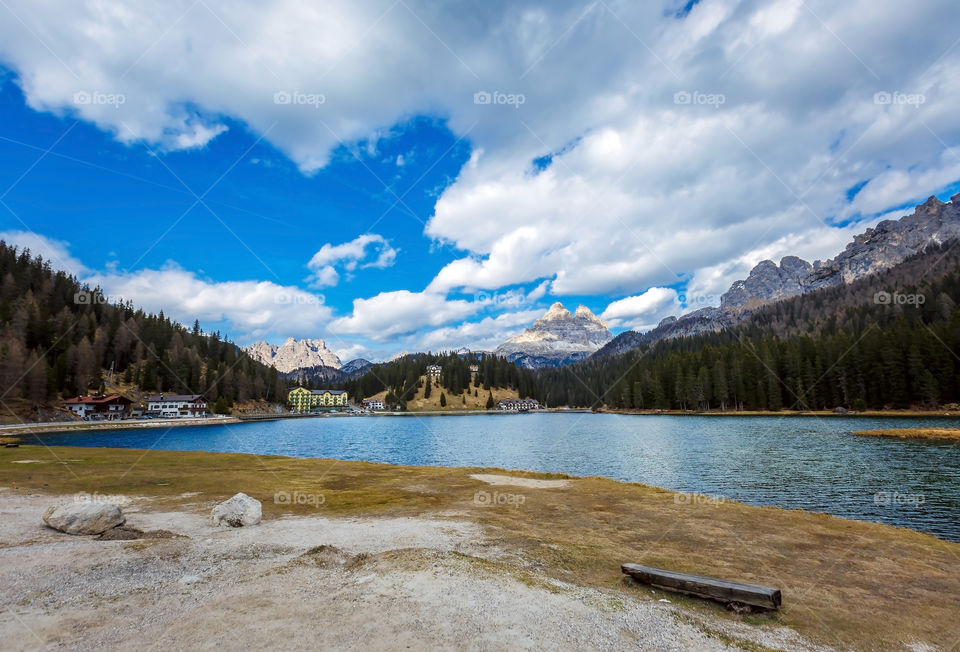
(846, 583)
(942, 434)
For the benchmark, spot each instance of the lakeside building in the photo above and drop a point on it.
(474, 368)
(518, 404)
(433, 371)
(301, 399)
(100, 408)
(374, 404)
(175, 406)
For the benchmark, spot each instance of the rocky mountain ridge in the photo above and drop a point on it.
(294, 354)
(558, 337)
(881, 247)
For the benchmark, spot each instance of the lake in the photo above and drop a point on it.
(809, 463)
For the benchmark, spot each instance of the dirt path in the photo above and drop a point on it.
(302, 582)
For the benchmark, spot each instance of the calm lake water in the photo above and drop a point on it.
(794, 462)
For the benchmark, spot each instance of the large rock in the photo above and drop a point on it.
(84, 517)
(237, 511)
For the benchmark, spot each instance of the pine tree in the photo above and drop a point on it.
(443, 400)
(490, 401)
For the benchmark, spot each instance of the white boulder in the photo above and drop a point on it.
(238, 511)
(84, 517)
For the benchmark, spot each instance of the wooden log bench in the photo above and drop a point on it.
(702, 586)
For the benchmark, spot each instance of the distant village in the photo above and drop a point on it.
(300, 400)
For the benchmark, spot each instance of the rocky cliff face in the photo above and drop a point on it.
(294, 354)
(558, 337)
(889, 243)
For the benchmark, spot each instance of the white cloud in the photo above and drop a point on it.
(483, 335)
(53, 251)
(641, 191)
(253, 309)
(642, 311)
(390, 314)
(349, 256)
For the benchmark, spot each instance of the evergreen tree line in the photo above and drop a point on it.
(403, 376)
(58, 339)
(890, 340)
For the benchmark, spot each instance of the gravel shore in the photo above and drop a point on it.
(313, 582)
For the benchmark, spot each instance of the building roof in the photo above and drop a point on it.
(177, 398)
(97, 400)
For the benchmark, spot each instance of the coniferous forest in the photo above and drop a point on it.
(890, 340)
(59, 339)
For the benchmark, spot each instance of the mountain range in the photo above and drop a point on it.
(559, 337)
(294, 354)
(879, 248)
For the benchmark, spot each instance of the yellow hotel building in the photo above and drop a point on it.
(301, 399)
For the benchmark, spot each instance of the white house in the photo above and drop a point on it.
(174, 406)
(106, 408)
(374, 404)
(518, 404)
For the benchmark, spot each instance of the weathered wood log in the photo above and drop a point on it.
(705, 587)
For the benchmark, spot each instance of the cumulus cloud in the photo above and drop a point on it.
(483, 335)
(643, 311)
(402, 312)
(668, 146)
(349, 256)
(253, 309)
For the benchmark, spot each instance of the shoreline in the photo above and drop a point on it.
(12, 430)
(554, 533)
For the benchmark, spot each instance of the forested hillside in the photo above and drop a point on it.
(58, 339)
(891, 340)
(402, 377)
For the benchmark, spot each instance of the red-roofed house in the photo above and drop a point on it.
(105, 408)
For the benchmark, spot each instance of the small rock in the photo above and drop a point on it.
(190, 579)
(84, 517)
(238, 511)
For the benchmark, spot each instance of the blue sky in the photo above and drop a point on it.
(406, 176)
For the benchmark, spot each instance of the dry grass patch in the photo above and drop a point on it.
(845, 583)
(948, 434)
